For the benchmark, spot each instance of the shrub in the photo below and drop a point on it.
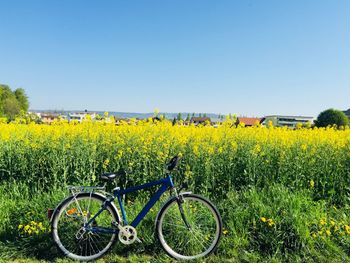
(332, 117)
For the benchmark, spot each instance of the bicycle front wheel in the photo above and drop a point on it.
(189, 228)
(68, 226)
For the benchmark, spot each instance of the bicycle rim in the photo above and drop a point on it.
(200, 239)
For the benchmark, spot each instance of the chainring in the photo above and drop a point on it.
(127, 235)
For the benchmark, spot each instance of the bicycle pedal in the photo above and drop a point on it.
(80, 233)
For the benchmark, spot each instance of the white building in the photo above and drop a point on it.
(79, 116)
(289, 121)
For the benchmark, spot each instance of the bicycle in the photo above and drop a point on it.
(86, 224)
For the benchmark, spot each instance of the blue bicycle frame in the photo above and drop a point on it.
(164, 183)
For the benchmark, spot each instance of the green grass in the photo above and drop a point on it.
(296, 216)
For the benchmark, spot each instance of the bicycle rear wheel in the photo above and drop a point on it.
(189, 229)
(68, 221)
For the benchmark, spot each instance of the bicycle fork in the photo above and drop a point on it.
(180, 201)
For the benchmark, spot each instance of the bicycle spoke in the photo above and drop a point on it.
(199, 241)
(93, 241)
(184, 227)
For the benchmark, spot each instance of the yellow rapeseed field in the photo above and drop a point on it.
(223, 158)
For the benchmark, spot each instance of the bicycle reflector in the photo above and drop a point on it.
(49, 213)
(72, 211)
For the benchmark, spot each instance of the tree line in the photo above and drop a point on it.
(15, 103)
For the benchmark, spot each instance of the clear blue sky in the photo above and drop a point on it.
(248, 57)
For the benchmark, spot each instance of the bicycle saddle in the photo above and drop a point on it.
(173, 163)
(111, 176)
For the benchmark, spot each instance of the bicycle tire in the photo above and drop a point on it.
(170, 239)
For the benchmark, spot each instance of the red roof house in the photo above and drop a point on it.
(249, 121)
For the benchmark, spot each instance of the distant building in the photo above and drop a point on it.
(289, 121)
(199, 120)
(249, 121)
(48, 118)
(79, 116)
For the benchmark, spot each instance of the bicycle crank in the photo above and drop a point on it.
(127, 235)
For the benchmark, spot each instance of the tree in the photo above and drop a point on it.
(11, 108)
(179, 116)
(22, 98)
(332, 117)
(5, 93)
(188, 118)
(12, 103)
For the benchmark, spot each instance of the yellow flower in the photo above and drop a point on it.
(156, 111)
(314, 235)
(105, 163)
(323, 222)
(270, 222)
(328, 232)
(20, 227)
(263, 219)
(257, 149)
(312, 184)
(119, 154)
(225, 232)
